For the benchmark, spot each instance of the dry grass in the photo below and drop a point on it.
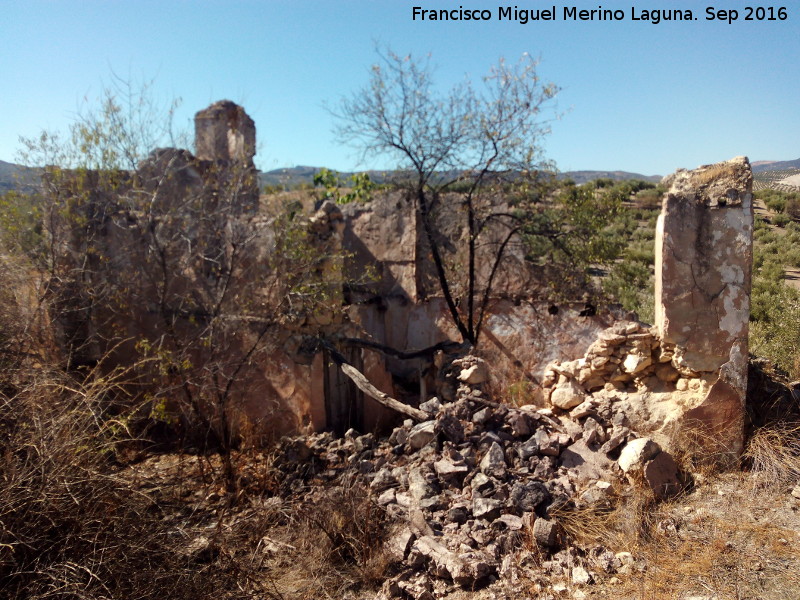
(69, 526)
(733, 537)
(334, 545)
(773, 456)
(711, 172)
(74, 523)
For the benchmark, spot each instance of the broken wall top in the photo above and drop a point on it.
(224, 132)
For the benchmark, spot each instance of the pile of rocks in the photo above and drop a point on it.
(477, 481)
(626, 357)
(646, 383)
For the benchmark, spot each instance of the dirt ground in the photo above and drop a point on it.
(734, 536)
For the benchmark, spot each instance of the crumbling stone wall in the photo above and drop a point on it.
(404, 309)
(684, 380)
(688, 373)
(224, 132)
(704, 255)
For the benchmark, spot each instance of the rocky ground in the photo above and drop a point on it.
(485, 500)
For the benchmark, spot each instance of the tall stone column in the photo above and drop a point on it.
(704, 255)
(225, 143)
(224, 132)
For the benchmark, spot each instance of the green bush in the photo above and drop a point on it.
(641, 252)
(760, 224)
(649, 198)
(776, 204)
(780, 220)
(775, 330)
(793, 205)
(631, 284)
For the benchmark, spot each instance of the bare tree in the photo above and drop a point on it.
(479, 141)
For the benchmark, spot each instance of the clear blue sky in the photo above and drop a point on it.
(635, 96)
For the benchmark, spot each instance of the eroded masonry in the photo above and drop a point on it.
(679, 382)
(684, 380)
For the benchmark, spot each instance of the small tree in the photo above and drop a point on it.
(485, 143)
(162, 261)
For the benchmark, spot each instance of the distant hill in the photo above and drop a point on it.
(292, 176)
(13, 176)
(586, 176)
(17, 177)
(760, 166)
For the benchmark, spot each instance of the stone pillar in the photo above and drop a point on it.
(225, 143)
(224, 132)
(704, 255)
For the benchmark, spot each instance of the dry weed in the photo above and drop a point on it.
(70, 526)
(773, 455)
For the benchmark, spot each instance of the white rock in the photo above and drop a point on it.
(422, 434)
(567, 395)
(636, 453)
(581, 576)
(387, 497)
(635, 363)
(475, 375)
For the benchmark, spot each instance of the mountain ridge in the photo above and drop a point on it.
(19, 177)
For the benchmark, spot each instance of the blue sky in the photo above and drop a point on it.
(635, 96)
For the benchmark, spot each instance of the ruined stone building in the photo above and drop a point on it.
(687, 372)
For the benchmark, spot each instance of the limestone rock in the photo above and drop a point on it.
(494, 462)
(486, 508)
(419, 485)
(545, 532)
(512, 522)
(546, 444)
(581, 576)
(422, 434)
(520, 423)
(398, 543)
(475, 375)
(636, 453)
(636, 362)
(567, 395)
(449, 471)
(448, 564)
(431, 406)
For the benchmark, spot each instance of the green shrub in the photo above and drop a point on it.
(776, 204)
(775, 330)
(641, 252)
(649, 198)
(631, 284)
(780, 220)
(793, 205)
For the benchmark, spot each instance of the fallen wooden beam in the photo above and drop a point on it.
(370, 390)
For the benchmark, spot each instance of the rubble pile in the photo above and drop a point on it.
(476, 483)
(645, 380)
(623, 358)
